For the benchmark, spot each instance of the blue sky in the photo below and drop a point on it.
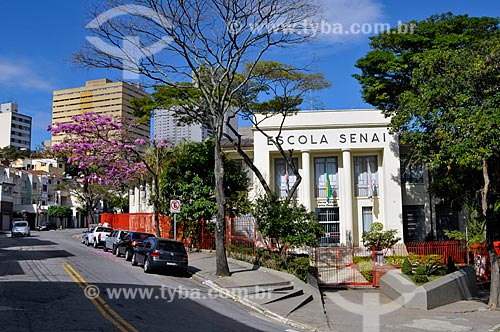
(37, 40)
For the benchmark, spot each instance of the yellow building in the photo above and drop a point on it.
(100, 96)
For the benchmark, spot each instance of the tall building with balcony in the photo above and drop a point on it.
(99, 96)
(16, 127)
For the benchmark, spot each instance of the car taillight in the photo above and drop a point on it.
(99, 237)
(155, 253)
(134, 243)
(185, 258)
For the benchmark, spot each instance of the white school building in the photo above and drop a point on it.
(363, 163)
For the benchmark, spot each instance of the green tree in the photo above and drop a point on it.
(60, 212)
(285, 222)
(440, 86)
(10, 153)
(188, 176)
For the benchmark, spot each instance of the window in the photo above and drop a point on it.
(411, 173)
(366, 176)
(322, 167)
(413, 223)
(34, 185)
(367, 215)
(329, 218)
(284, 177)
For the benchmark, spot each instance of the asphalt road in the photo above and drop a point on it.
(51, 282)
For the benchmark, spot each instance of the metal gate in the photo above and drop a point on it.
(335, 267)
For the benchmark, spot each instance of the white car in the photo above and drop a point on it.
(20, 228)
(98, 236)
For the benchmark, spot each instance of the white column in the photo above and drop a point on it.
(306, 179)
(347, 196)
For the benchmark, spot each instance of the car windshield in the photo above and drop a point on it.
(20, 224)
(104, 229)
(171, 246)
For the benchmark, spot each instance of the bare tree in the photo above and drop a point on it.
(204, 42)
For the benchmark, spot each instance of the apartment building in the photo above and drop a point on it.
(16, 127)
(99, 96)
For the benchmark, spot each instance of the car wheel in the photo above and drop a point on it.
(134, 260)
(117, 252)
(147, 266)
(87, 242)
(95, 244)
(104, 248)
(29, 234)
(128, 255)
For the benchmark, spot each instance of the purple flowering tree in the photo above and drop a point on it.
(98, 147)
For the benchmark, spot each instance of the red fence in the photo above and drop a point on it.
(447, 249)
(240, 230)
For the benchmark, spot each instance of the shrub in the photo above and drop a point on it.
(421, 278)
(432, 259)
(420, 270)
(433, 268)
(395, 260)
(298, 266)
(407, 268)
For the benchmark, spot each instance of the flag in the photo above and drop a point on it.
(328, 187)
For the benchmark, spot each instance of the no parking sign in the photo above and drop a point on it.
(175, 206)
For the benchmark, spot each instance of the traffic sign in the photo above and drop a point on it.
(175, 206)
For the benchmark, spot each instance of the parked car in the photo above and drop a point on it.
(85, 235)
(126, 245)
(20, 228)
(155, 253)
(113, 239)
(47, 226)
(97, 237)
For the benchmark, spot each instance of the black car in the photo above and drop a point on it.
(126, 245)
(155, 253)
(47, 226)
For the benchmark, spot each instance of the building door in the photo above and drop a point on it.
(329, 218)
(413, 223)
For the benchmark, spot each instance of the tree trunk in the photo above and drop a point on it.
(494, 300)
(222, 268)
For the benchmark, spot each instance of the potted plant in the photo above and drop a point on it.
(377, 239)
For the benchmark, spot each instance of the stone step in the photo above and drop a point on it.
(289, 305)
(263, 288)
(270, 297)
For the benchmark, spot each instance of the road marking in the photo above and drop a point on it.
(99, 302)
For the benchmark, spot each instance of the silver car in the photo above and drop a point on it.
(20, 228)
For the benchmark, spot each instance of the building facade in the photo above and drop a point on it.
(99, 96)
(349, 164)
(16, 127)
(166, 128)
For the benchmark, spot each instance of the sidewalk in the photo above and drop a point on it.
(368, 310)
(274, 294)
(285, 298)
